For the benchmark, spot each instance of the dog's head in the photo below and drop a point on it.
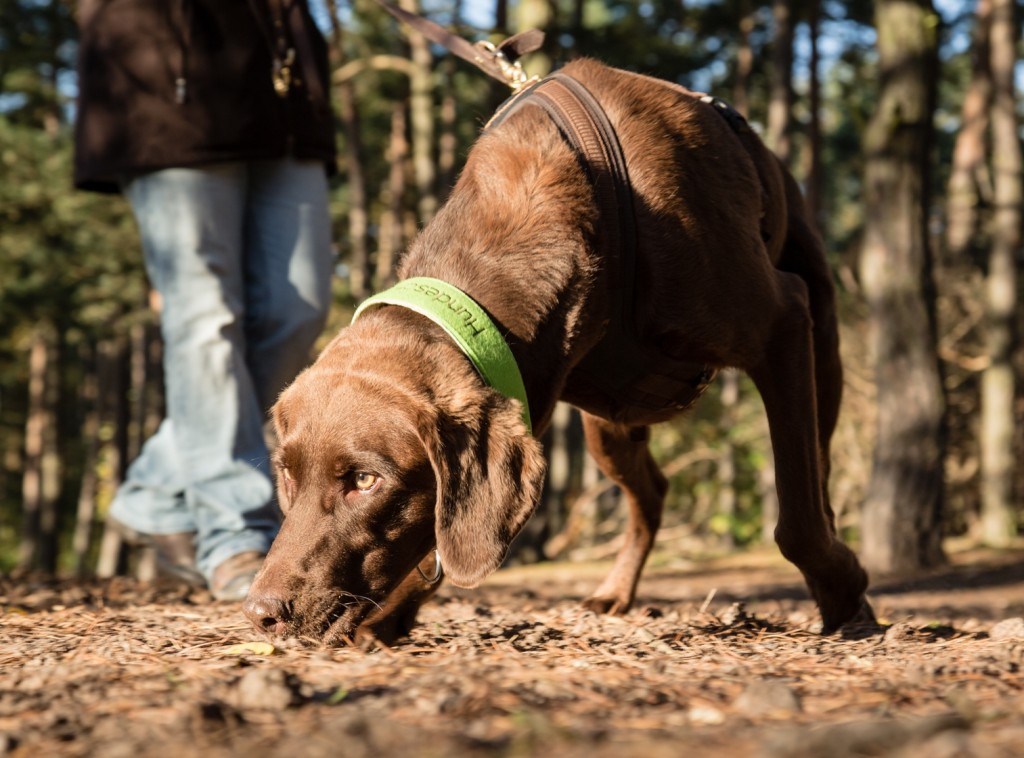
(389, 446)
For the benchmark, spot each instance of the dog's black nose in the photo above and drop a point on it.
(268, 613)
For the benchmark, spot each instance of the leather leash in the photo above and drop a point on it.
(500, 62)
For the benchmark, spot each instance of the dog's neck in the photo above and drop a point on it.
(516, 235)
(465, 322)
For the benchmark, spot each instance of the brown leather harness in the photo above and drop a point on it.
(620, 369)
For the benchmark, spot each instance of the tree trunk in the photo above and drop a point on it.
(726, 507)
(560, 465)
(447, 142)
(902, 516)
(113, 412)
(355, 178)
(560, 449)
(52, 463)
(85, 515)
(421, 112)
(54, 114)
(41, 480)
(391, 219)
(998, 520)
(156, 401)
(744, 60)
(37, 420)
(814, 164)
(780, 103)
(138, 369)
(769, 496)
(591, 476)
(122, 405)
(968, 171)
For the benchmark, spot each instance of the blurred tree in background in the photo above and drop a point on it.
(80, 383)
(902, 521)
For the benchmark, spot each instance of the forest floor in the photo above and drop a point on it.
(719, 658)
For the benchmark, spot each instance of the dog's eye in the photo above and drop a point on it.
(365, 481)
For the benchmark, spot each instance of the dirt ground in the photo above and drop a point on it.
(720, 658)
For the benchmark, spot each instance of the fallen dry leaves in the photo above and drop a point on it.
(518, 668)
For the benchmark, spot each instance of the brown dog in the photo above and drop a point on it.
(391, 444)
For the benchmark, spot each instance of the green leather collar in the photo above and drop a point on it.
(466, 323)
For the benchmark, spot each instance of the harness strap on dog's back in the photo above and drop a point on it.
(619, 367)
(578, 114)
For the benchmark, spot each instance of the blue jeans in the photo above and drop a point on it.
(241, 256)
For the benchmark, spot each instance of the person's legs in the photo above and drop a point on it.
(152, 498)
(288, 268)
(209, 456)
(149, 508)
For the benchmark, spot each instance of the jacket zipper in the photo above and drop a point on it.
(184, 41)
(282, 60)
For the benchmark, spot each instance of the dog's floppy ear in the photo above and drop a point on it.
(283, 483)
(489, 473)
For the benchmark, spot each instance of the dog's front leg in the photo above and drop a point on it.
(396, 618)
(627, 461)
(805, 533)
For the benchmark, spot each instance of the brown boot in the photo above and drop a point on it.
(232, 578)
(175, 553)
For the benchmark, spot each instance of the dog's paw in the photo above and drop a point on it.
(863, 620)
(610, 606)
(837, 583)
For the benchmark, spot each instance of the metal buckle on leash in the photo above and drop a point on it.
(438, 570)
(514, 75)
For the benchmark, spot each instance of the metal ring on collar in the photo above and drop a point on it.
(438, 570)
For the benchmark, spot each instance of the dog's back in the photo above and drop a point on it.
(715, 215)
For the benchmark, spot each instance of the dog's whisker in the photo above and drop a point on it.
(362, 598)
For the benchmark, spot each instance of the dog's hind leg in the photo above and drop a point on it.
(786, 376)
(804, 256)
(624, 457)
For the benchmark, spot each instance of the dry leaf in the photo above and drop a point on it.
(250, 648)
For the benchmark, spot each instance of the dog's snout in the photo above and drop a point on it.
(267, 612)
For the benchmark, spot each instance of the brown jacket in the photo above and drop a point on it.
(170, 83)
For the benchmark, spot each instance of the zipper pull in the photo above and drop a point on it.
(282, 75)
(180, 90)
